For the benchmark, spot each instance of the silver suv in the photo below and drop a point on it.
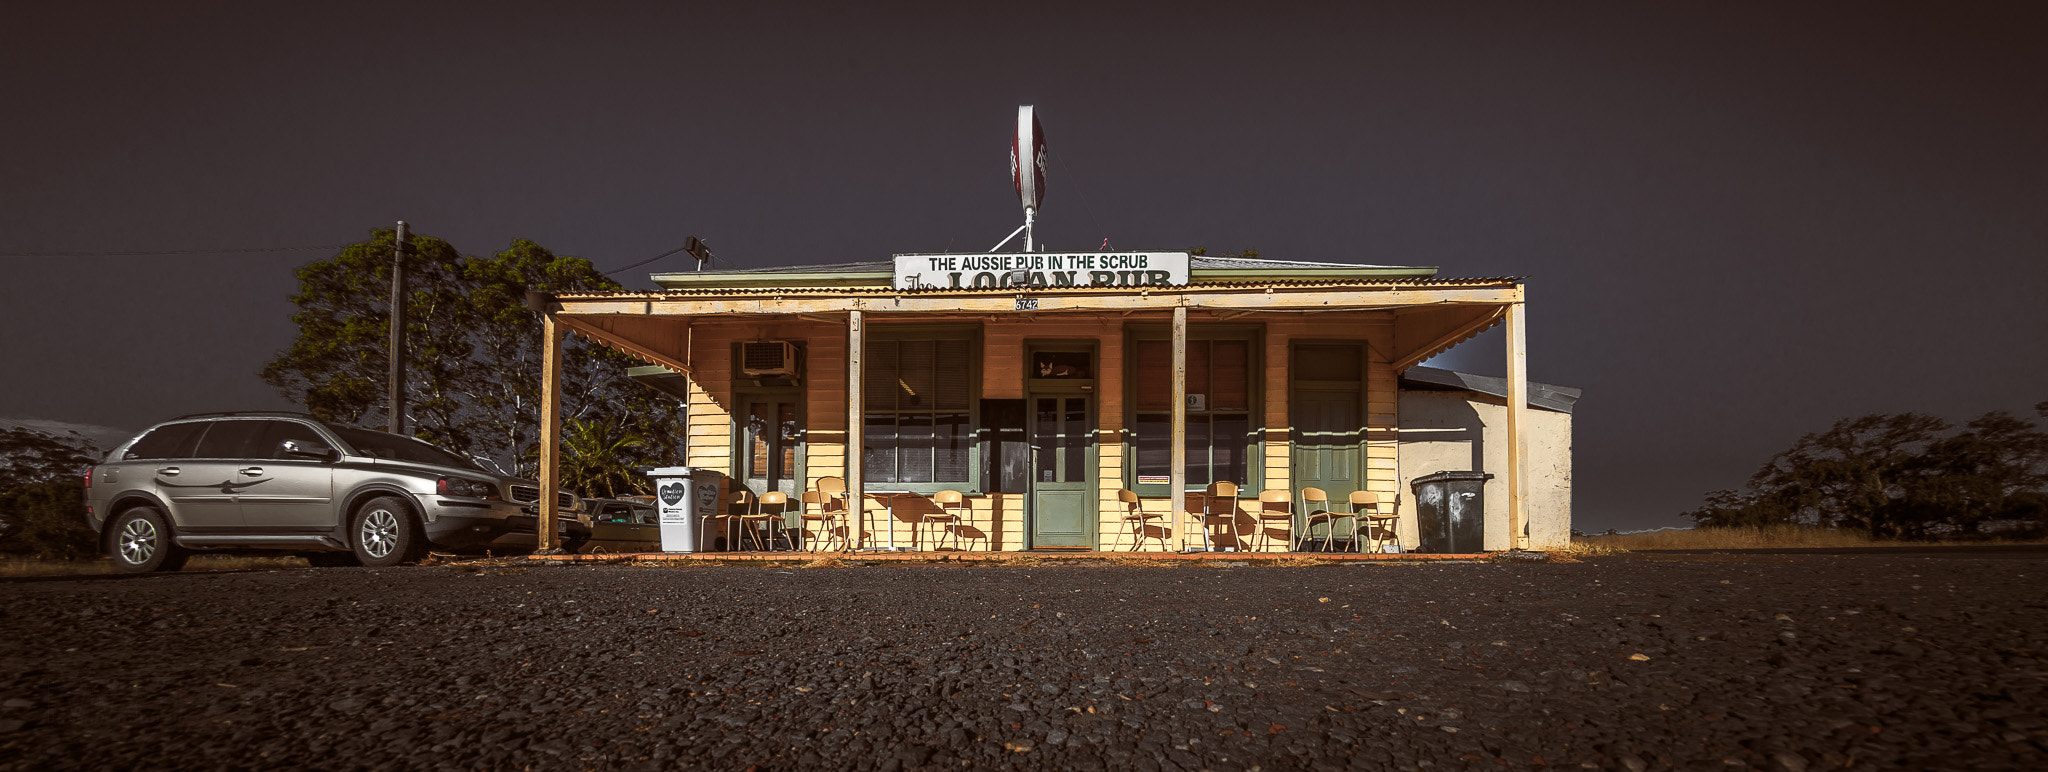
(283, 481)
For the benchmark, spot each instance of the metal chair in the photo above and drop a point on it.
(1223, 495)
(1316, 502)
(816, 507)
(737, 505)
(948, 515)
(1275, 506)
(834, 489)
(1138, 519)
(1382, 525)
(759, 519)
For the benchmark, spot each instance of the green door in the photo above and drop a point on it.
(1062, 500)
(1328, 453)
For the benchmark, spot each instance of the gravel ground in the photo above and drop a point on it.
(1783, 662)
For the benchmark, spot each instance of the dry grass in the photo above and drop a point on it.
(1580, 549)
(1769, 537)
(1133, 560)
(1298, 561)
(826, 562)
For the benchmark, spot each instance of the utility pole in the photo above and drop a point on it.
(396, 379)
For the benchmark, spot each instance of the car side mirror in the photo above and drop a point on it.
(309, 449)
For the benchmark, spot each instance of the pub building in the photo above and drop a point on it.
(1094, 401)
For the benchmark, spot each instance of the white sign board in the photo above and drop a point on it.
(1042, 269)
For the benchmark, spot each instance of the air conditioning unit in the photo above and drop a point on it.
(768, 357)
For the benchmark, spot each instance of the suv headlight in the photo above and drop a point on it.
(467, 488)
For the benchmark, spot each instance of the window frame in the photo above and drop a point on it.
(1254, 336)
(897, 333)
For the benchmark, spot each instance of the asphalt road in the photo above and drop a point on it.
(1780, 662)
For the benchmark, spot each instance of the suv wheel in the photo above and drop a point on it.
(384, 533)
(139, 542)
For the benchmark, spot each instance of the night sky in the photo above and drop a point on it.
(1738, 223)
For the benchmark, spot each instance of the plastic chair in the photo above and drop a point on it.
(1275, 506)
(950, 506)
(1138, 519)
(1224, 495)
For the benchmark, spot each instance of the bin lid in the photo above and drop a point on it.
(671, 471)
(1460, 476)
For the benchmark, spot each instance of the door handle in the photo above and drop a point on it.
(254, 471)
(169, 471)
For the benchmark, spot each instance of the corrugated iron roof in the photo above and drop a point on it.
(1542, 395)
(1194, 262)
(1365, 285)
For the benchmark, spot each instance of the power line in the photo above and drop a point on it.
(648, 260)
(161, 252)
(687, 245)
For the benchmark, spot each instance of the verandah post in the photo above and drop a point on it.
(1177, 479)
(856, 503)
(550, 429)
(1518, 410)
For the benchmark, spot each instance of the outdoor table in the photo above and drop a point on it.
(1201, 519)
(888, 502)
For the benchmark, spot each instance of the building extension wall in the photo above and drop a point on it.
(1466, 431)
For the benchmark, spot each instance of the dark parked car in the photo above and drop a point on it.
(288, 482)
(622, 525)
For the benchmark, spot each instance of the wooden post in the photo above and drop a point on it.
(395, 375)
(550, 429)
(1518, 409)
(856, 502)
(1177, 476)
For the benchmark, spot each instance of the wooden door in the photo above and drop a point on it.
(1062, 435)
(1328, 452)
(771, 433)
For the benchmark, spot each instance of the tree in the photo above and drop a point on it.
(1993, 464)
(42, 494)
(474, 356)
(1863, 472)
(1897, 476)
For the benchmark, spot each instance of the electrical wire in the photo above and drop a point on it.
(652, 259)
(162, 252)
(643, 262)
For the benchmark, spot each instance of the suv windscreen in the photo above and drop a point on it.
(167, 441)
(229, 439)
(396, 448)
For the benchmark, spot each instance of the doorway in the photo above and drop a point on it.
(1328, 417)
(771, 441)
(1060, 430)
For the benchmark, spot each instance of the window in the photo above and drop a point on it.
(399, 448)
(167, 441)
(1219, 412)
(918, 425)
(277, 433)
(229, 439)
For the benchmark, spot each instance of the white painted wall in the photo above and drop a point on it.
(1444, 431)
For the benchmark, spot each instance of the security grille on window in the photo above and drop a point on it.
(917, 426)
(1219, 411)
